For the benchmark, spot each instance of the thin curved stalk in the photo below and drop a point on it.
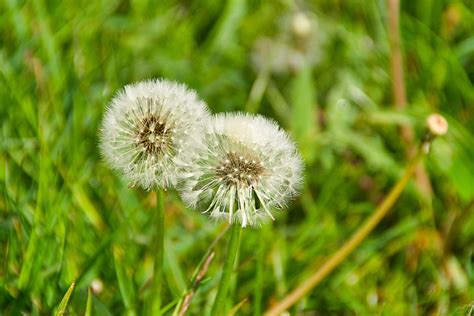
(350, 245)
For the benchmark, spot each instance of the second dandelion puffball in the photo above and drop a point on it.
(147, 128)
(246, 167)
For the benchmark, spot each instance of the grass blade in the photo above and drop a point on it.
(62, 306)
(89, 303)
(124, 282)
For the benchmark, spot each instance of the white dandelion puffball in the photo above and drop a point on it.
(146, 129)
(246, 167)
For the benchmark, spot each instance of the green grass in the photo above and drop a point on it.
(65, 217)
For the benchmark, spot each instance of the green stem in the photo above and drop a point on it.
(224, 283)
(159, 249)
(259, 274)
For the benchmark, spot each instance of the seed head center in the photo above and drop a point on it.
(240, 169)
(152, 135)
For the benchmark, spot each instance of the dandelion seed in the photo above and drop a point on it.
(145, 128)
(254, 169)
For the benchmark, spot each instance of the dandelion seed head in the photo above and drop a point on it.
(97, 286)
(437, 124)
(301, 25)
(146, 129)
(247, 168)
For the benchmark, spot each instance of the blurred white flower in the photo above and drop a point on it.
(246, 167)
(146, 129)
(299, 44)
(437, 124)
(301, 25)
(97, 286)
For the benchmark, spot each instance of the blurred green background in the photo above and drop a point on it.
(65, 216)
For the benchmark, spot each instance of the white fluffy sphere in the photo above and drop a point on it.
(147, 128)
(246, 167)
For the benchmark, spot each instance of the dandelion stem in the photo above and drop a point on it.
(224, 283)
(159, 250)
(259, 273)
(351, 244)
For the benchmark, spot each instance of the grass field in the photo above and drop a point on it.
(65, 217)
